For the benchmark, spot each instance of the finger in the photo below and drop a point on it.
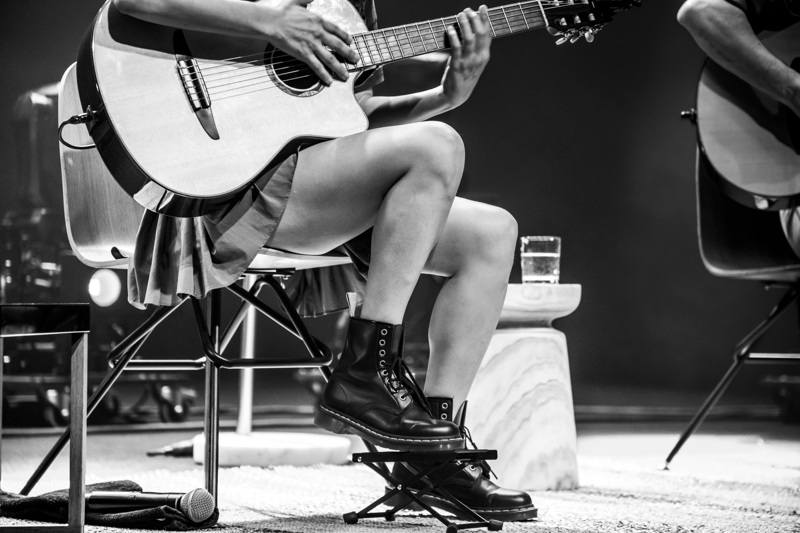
(331, 62)
(485, 38)
(337, 30)
(318, 68)
(477, 22)
(341, 48)
(455, 42)
(467, 35)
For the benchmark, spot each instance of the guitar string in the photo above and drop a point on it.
(519, 7)
(384, 46)
(373, 44)
(389, 48)
(520, 13)
(216, 90)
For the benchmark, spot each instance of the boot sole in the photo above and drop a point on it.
(336, 422)
(509, 514)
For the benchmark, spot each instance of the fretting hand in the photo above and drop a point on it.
(470, 54)
(312, 39)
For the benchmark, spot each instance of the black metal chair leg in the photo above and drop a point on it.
(211, 424)
(701, 414)
(740, 356)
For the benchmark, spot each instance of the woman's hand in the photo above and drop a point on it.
(469, 57)
(312, 39)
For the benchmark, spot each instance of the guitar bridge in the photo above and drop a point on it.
(194, 85)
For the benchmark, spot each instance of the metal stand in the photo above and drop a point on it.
(424, 465)
(742, 354)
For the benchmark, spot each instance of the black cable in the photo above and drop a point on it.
(83, 118)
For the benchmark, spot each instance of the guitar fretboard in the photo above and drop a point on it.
(399, 42)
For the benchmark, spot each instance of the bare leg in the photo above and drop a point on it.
(476, 249)
(399, 180)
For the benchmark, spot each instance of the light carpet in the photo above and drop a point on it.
(727, 484)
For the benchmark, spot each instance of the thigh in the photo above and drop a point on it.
(339, 185)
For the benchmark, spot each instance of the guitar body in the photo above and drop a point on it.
(752, 141)
(179, 154)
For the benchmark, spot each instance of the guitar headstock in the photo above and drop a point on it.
(569, 20)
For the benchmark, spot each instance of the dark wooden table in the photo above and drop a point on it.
(27, 320)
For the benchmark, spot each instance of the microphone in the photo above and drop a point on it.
(197, 504)
(183, 448)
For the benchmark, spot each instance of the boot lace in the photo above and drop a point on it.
(484, 465)
(403, 380)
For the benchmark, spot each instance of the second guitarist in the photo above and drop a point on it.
(391, 193)
(727, 30)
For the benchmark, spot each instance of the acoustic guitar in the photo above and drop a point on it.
(185, 120)
(751, 140)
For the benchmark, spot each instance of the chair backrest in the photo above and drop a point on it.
(100, 216)
(737, 241)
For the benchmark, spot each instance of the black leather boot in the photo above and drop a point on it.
(472, 486)
(372, 394)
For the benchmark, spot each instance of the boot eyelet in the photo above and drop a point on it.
(382, 362)
(384, 331)
(382, 352)
(443, 416)
(403, 396)
(384, 372)
(382, 342)
(472, 467)
(444, 405)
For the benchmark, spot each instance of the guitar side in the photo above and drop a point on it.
(748, 137)
(155, 143)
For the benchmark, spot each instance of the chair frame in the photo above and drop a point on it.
(785, 269)
(214, 340)
(103, 242)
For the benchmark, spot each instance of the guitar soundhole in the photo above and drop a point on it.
(290, 74)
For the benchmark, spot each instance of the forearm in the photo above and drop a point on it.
(394, 110)
(229, 17)
(722, 31)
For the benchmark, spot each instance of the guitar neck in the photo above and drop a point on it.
(380, 47)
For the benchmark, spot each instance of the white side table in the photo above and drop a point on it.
(521, 401)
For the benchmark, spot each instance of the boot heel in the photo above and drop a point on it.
(329, 423)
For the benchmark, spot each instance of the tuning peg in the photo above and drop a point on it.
(589, 36)
(561, 40)
(574, 37)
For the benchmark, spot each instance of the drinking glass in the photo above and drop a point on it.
(541, 258)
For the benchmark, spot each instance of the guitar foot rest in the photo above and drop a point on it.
(423, 465)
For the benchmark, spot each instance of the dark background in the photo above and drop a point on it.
(582, 141)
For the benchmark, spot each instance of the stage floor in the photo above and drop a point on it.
(732, 476)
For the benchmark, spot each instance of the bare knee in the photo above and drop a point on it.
(437, 149)
(498, 237)
(490, 240)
